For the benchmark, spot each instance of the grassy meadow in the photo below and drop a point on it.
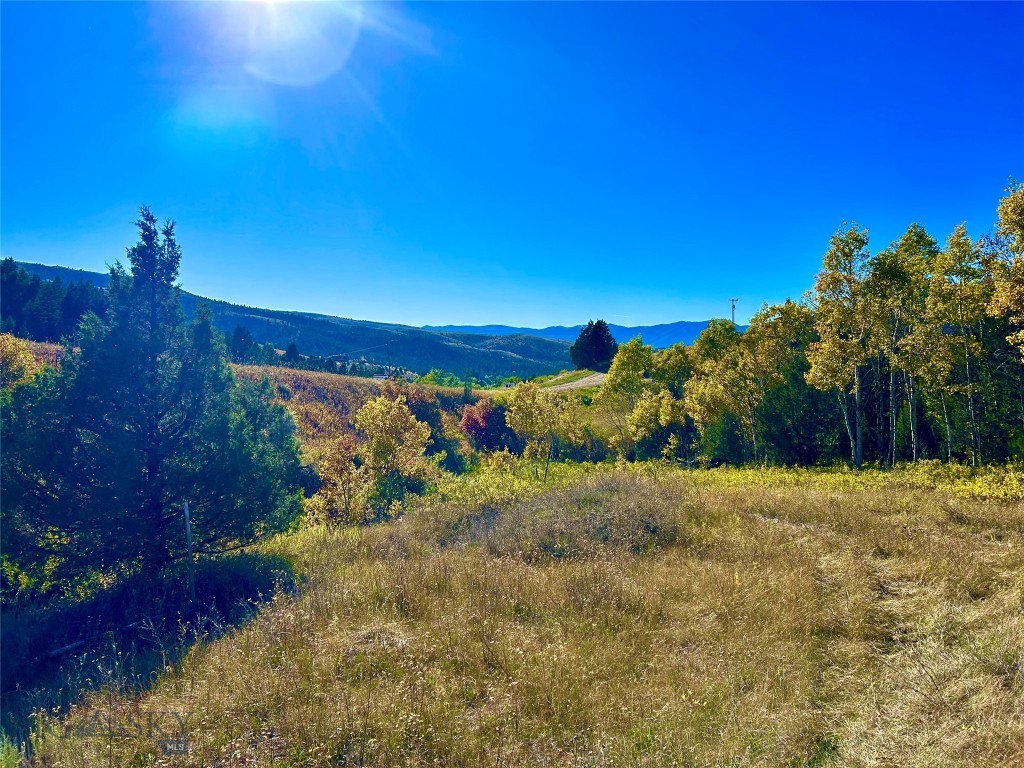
(639, 615)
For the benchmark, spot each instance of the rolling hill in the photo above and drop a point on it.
(416, 349)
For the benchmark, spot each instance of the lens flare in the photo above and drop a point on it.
(273, 65)
(300, 43)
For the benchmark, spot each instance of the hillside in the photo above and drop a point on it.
(323, 404)
(417, 349)
(658, 336)
(611, 618)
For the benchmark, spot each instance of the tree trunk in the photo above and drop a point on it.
(975, 439)
(753, 436)
(892, 417)
(881, 434)
(859, 456)
(910, 413)
(844, 406)
(949, 431)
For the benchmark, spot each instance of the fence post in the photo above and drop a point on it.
(191, 563)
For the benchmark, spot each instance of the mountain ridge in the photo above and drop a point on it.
(405, 346)
(659, 336)
(483, 350)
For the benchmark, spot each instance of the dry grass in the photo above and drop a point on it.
(620, 620)
(323, 404)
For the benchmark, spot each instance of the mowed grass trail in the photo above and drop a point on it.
(623, 618)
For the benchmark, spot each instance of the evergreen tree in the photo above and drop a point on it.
(143, 415)
(242, 345)
(594, 348)
(44, 310)
(43, 314)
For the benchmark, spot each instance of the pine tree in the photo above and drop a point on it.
(594, 348)
(242, 345)
(142, 415)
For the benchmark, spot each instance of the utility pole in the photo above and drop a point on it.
(733, 302)
(390, 370)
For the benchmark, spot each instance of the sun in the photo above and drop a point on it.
(298, 42)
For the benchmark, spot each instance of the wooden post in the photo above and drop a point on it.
(191, 563)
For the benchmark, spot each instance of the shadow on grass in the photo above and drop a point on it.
(122, 638)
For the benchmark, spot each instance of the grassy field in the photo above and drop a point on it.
(565, 377)
(618, 617)
(561, 380)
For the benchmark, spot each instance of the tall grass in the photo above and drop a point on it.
(618, 617)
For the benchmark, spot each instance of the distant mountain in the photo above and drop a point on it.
(416, 349)
(67, 274)
(658, 336)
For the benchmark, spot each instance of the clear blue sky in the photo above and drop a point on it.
(529, 164)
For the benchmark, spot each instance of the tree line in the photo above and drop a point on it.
(51, 310)
(911, 352)
(245, 350)
(907, 353)
(44, 310)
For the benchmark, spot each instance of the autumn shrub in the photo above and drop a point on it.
(486, 426)
(18, 363)
(345, 483)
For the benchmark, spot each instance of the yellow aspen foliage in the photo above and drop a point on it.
(653, 410)
(843, 319)
(539, 417)
(17, 362)
(395, 439)
(342, 495)
(1008, 272)
(625, 384)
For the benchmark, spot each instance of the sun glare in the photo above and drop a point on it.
(299, 43)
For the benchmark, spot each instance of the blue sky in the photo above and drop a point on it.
(529, 164)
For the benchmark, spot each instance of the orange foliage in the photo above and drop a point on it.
(47, 353)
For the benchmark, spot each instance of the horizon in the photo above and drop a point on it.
(428, 326)
(502, 164)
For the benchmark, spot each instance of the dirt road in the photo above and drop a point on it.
(593, 380)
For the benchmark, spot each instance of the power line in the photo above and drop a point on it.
(387, 344)
(363, 349)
